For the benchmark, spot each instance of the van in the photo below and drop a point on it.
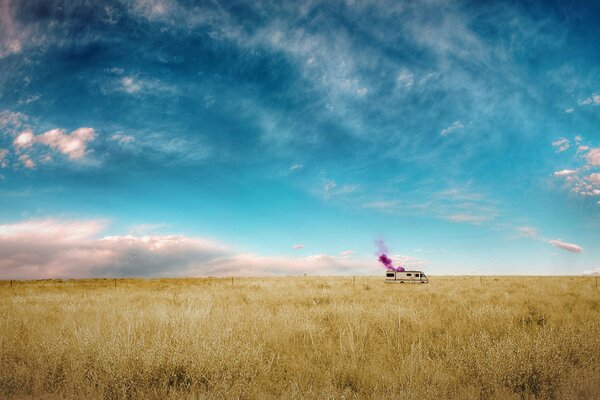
(406, 276)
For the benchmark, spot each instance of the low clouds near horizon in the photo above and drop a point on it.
(54, 248)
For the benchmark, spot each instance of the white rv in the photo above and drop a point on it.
(405, 276)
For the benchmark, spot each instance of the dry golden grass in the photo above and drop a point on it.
(301, 337)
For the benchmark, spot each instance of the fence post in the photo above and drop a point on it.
(596, 282)
(115, 282)
(232, 281)
(354, 280)
(480, 280)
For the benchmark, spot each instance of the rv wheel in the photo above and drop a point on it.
(401, 281)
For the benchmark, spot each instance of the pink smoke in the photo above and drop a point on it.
(384, 259)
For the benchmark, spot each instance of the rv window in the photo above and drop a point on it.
(408, 275)
(417, 275)
(390, 274)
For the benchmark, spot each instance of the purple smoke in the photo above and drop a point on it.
(385, 260)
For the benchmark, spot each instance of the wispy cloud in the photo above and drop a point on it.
(346, 253)
(456, 204)
(383, 205)
(163, 148)
(332, 189)
(592, 100)
(11, 122)
(405, 80)
(456, 125)
(528, 231)
(130, 85)
(565, 172)
(4, 158)
(470, 218)
(561, 145)
(137, 86)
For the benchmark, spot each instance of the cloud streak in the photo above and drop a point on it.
(532, 233)
(572, 247)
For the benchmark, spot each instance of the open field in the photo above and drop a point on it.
(301, 337)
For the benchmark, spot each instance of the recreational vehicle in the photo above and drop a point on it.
(405, 276)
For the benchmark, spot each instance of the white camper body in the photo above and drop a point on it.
(405, 277)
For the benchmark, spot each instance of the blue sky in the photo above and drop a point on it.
(255, 138)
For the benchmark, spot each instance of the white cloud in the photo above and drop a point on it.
(569, 110)
(456, 125)
(468, 218)
(298, 246)
(527, 231)
(209, 101)
(585, 185)
(408, 262)
(455, 204)
(592, 100)
(561, 145)
(594, 178)
(572, 247)
(135, 85)
(532, 233)
(130, 85)
(12, 34)
(123, 140)
(405, 80)
(595, 271)
(296, 167)
(346, 253)
(382, 205)
(362, 91)
(577, 180)
(331, 188)
(565, 172)
(30, 99)
(3, 158)
(593, 157)
(24, 140)
(163, 148)
(27, 161)
(52, 248)
(72, 145)
(11, 122)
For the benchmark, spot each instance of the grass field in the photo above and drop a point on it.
(301, 337)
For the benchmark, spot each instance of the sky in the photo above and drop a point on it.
(160, 138)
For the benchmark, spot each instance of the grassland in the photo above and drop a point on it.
(301, 337)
